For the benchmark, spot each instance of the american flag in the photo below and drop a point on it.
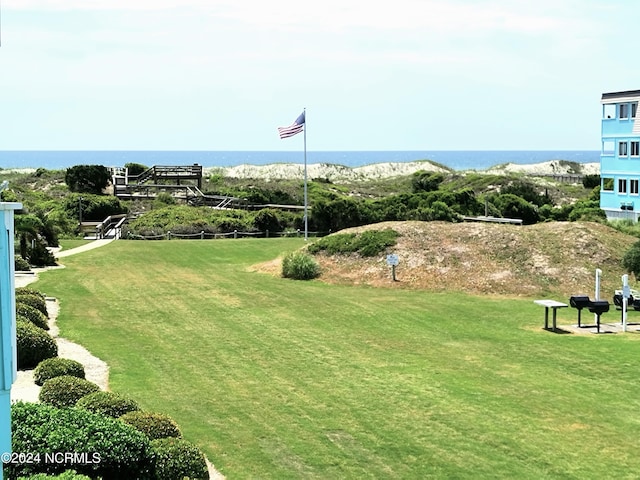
(293, 129)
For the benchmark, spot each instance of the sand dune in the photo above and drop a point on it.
(337, 173)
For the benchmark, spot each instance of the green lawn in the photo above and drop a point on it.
(275, 378)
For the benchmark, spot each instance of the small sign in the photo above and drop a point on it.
(392, 260)
(626, 291)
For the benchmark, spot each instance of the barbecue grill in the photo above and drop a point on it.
(580, 302)
(599, 307)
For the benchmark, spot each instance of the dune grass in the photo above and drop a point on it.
(275, 378)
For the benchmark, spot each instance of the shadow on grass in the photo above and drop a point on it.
(557, 330)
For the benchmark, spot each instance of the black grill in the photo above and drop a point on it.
(579, 301)
(599, 307)
(594, 306)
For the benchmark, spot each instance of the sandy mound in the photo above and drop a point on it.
(481, 258)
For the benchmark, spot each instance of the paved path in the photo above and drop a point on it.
(82, 248)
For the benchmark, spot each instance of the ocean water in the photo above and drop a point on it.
(456, 159)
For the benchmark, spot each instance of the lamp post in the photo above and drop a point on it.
(80, 213)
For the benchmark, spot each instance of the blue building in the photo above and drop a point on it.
(620, 155)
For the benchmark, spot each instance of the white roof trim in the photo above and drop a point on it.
(619, 100)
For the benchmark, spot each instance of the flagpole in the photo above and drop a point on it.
(306, 220)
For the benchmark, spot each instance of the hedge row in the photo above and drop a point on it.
(108, 448)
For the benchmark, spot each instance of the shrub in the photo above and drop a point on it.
(117, 450)
(21, 265)
(367, 244)
(267, 219)
(87, 178)
(135, 169)
(422, 181)
(65, 390)
(153, 425)
(57, 367)
(591, 181)
(29, 291)
(34, 315)
(177, 458)
(512, 206)
(34, 301)
(373, 242)
(111, 404)
(631, 260)
(67, 475)
(33, 344)
(300, 266)
(40, 255)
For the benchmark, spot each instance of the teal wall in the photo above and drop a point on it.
(613, 166)
(8, 353)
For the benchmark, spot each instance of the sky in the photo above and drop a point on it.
(372, 75)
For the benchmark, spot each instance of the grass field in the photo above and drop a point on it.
(275, 378)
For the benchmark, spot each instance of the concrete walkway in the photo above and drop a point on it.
(83, 248)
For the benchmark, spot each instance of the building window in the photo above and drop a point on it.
(622, 185)
(622, 149)
(633, 187)
(608, 147)
(609, 111)
(607, 184)
(623, 110)
(634, 109)
(635, 149)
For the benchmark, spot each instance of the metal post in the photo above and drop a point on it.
(625, 301)
(597, 293)
(306, 216)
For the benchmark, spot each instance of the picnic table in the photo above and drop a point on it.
(554, 306)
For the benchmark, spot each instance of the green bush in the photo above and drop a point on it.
(422, 181)
(57, 367)
(34, 315)
(591, 181)
(135, 169)
(34, 301)
(40, 255)
(367, 244)
(68, 475)
(153, 425)
(21, 265)
(33, 344)
(631, 260)
(336, 243)
(177, 459)
(115, 449)
(111, 404)
(65, 390)
(87, 178)
(373, 242)
(29, 291)
(513, 206)
(163, 199)
(300, 266)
